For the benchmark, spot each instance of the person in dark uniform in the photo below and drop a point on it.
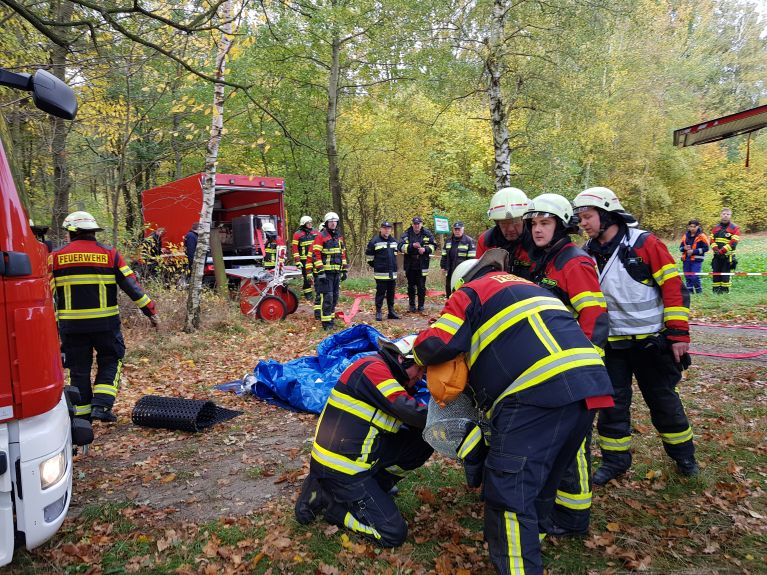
(417, 243)
(367, 439)
(85, 278)
(458, 248)
(381, 255)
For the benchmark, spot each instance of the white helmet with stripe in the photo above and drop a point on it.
(305, 220)
(80, 221)
(507, 203)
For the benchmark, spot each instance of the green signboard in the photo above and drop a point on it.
(441, 225)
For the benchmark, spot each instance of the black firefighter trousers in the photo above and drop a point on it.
(362, 502)
(657, 376)
(416, 283)
(78, 349)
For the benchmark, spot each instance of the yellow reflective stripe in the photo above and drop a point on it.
(548, 367)
(665, 273)
(364, 411)
(67, 297)
(513, 543)
(102, 295)
(83, 409)
(389, 386)
(676, 438)
(351, 522)
(573, 500)
(588, 299)
(338, 462)
(676, 313)
(504, 319)
(613, 443)
(105, 388)
(88, 313)
(624, 337)
(84, 279)
(470, 442)
(448, 323)
(367, 445)
(583, 468)
(397, 470)
(543, 333)
(126, 271)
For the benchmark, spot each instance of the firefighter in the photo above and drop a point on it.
(368, 437)
(507, 207)
(85, 277)
(648, 310)
(417, 243)
(459, 247)
(302, 243)
(190, 245)
(724, 239)
(381, 255)
(693, 246)
(329, 267)
(569, 273)
(537, 378)
(272, 248)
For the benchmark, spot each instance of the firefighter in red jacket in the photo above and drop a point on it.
(84, 276)
(724, 239)
(303, 238)
(569, 273)
(648, 307)
(507, 207)
(329, 265)
(693, 247)
(368, 437)
(538, 379)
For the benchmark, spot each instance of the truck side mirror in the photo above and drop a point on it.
(49, 93)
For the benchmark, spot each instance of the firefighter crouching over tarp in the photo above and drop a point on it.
(367, 438)
(539, 397)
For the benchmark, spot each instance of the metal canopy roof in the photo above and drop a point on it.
(721, 128)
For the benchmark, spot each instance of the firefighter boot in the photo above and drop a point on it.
(606, 473)
(392, 315)
(311, 501)
(688, 467)
(379, 315)
(101, 413)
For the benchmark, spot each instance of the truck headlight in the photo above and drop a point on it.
(52, 470)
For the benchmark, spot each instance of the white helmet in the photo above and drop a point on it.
(268, 228)
(305, 220)
(497, 258)
(330, 216)
(599, 197)
(507, 203)
(550, 206)
(80, 221)
(403, 347)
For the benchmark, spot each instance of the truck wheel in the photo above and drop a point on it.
(271, 308)
(290, 298)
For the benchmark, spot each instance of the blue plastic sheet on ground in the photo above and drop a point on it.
(304, 384)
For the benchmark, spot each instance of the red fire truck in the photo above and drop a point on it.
(37, 428)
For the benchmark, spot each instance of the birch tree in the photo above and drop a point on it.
(209, 178)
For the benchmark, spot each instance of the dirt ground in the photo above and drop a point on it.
(237, 466)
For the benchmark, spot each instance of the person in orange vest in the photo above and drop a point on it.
(303, 238)
(724, 239)
(85, 277)
(693, 246)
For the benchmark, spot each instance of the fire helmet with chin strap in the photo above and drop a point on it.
(80, 222)
(305, 220)
(507, 203)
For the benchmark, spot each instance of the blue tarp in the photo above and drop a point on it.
(304, 384)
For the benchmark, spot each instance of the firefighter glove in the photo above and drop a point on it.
(343, 276)
(155, 319)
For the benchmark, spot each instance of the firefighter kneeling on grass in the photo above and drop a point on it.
(368, 437)
(538, 379)
(85, 279)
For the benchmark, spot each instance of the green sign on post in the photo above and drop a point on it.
(441, 225)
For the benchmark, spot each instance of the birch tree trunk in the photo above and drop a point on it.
(209, 179)
(495, 69)
(62, 12)
(331, 144)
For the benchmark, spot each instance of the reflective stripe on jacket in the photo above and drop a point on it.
(725, 238)
(414, 260)
(381, 255)
(328, 253)
(465, 250)
(366, 402)
(519, 340)
(301, 244)
(698, 244)
(85, 277)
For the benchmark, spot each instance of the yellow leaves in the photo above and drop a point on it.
(613, 527)
(345, 543)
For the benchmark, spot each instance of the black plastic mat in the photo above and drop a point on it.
(180, 414)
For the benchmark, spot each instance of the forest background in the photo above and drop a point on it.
(388, 110)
